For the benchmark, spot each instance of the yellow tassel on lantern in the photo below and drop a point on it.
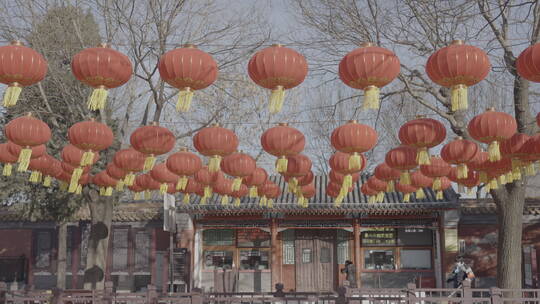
(186, 199)
(87, 158)
(371, 97)
(270, 203)
(390, 187)
(494, 151)
(405, 178)
(493, 184)
(98, 98)
(253, 191)
(108, 191)
(237, 182)
(420, 194)
(483, 177)
(459, 97)
(263, 201)
(276, 99)
(129, 179)
(502, 180)
(406, 197)
(371, 200)
(422, 157)
(35, 177)
(469, 191)
(437, 184)
(237, 202)
(79, 189)
(225, 200)
(149, 162)
(147, 195)
(24, 159)
(182, 183)
(338, 200)
(7, 169)
(380, 197)
(47, 181)
(462, 171)
(281, 164)
(461, 189)
(75, 176)
(509, 177)
(137, 196)
(63, 185)
(163, 188)
(487, 188)
(184, 100)
(72, 187)
(347, 182)
(214, 163)
(530, 170)
(355, 161)
(11, 95)
(439, 195)
(120, 185)
(292, 185)
(516, 173)
(207, 192)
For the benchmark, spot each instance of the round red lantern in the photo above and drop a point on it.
(354, 138)
(277, 68)
(528, 63)
(21, 67)
(38, 166)
(162, 175)
(339, 162)
(305, 193)
(215, 142)
(269, 191)
(105, 182)
(224, 187)
(192, 187)
(406, 190)
(338, 178)
(238, 165)
(27, 132)
(115, 172)
(282, 141)
(445, 184)
(370, 193)
(515, 148)
(255, 180)
(369, 68)
(437, 169)
(7, 159)
(183, 164)
(402, 158)
(458, 66)
(458, 152)
(74, 156)
(152, 140)
(379, 186)
(480, 163)
(129, 160)
(422, 133)
(239, 194)
(208, 178)
(54, 170)
(491, 128)
(187, 69)
(420, 181)
(90, 136)
(387, 174)
(101, 68)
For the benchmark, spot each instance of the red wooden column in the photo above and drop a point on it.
(276, 253)
(356, 242)
(75, 256)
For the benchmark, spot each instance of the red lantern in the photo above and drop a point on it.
(105, 182)
(38, 166)
(369, 68)
(90, 136)
(269, 191)
(215, 142)
(402, 158)
(129, 160)
(277, 68)
(339, 162)
(406, 190)
(458, 66)
(151, 141)
(422, 133)
(27, 132)
(239, 194)
(387, 174)
(379, 186)
(480, 163)
(224, 187)
(162, 175)
(338, 178)
(21, 66)
(54, 170)
(458, 152)
(192, 187)
(298, 165)
(255, 180)
(305, 193)
(115, 172)
(7, 158)
(354, 138)
(367, 191)
(437, 169)
(183, 164)
(491, 128)
(101, 68)
(515, 148)
(207, 178)
(283, 141)
(187, 69)
(445, 184)
(238, 165)
(420, 181)
(74, 156)
(528, 63)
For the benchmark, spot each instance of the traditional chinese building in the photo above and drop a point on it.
(252, 248)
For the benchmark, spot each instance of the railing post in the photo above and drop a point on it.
(411, 293)
(496, 295)
(196, 296)
(56, 296)
(467, 292)
(3, 292)
(151, 295)
(342, 295)
(108, 293)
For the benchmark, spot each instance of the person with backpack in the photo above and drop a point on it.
(460, 273)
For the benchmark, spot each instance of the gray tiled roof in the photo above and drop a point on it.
(355, 200)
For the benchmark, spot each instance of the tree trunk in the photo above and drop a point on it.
(61, 265)
(510, 202)
(101, 209)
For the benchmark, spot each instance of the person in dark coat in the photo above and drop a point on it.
(350, 272)
(460, 273)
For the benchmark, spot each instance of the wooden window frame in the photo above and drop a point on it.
(397, 258)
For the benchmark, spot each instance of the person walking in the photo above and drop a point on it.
(350, 271)
(460, 273)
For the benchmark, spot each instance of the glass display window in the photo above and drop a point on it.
(415, 259)
(218, 259)
(379, 259)
(254, 259)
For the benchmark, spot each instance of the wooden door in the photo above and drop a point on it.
(315, 260)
